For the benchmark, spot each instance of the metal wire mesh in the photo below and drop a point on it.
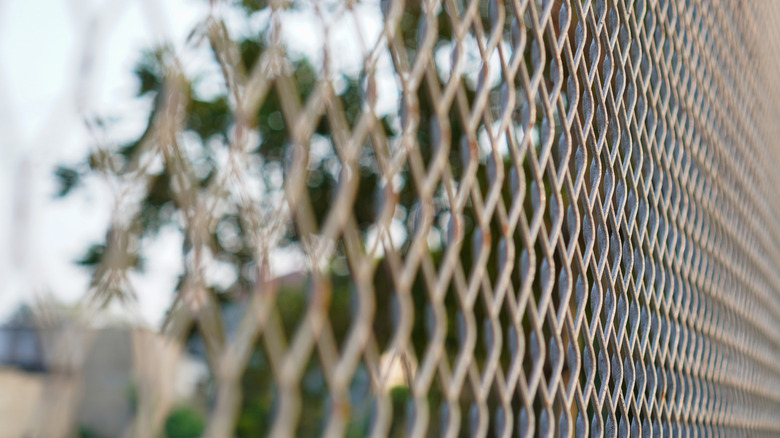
(565, 225)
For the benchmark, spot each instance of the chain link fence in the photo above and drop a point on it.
(454, 218)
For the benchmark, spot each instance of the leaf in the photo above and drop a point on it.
(93, 256)
(68, 179)
(209, 118)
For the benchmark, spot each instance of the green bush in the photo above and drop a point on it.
(184, 422)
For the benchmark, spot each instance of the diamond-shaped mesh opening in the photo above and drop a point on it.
(456, 347)
(260, 396)
(314, 395)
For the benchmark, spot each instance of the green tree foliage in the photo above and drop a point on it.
(184, 422)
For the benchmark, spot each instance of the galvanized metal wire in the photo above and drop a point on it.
(563, 224)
